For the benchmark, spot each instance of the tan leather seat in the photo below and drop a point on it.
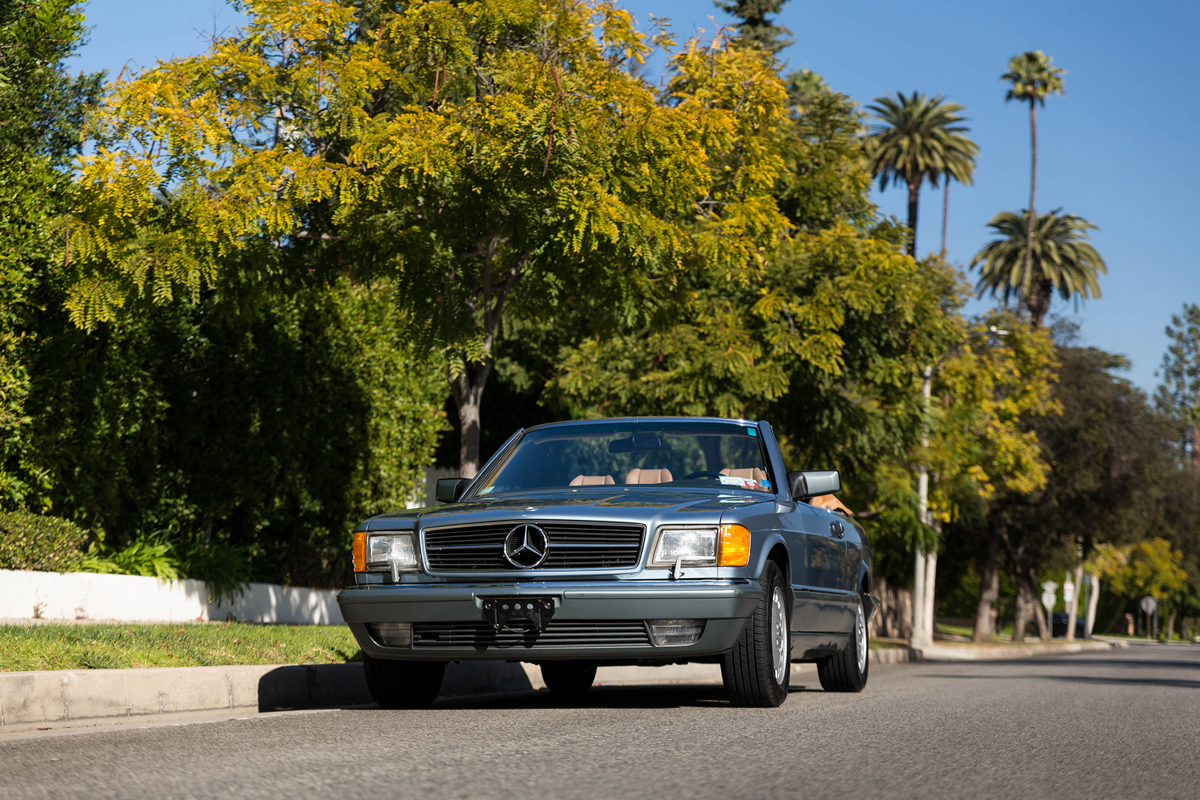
(593, 480)
(645, 476)
(754, 473)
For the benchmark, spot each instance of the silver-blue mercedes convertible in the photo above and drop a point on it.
(655, 540)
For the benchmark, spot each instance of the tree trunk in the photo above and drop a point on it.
(1093, 599)
(1021, 617)
(467, 388)
(989, 584)
(914, 195)
(1170, 624)
(1028, 605)
(1039, 611)
(1195, 448)
(930, 584)
(1032, 181)
(1073, 606)
(945, 213)
(1038, 302)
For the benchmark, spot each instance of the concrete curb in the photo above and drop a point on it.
(77, 698)
(998, 652)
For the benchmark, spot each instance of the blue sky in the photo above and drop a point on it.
(1121, 148)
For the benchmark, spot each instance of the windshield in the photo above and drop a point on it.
(623, 454)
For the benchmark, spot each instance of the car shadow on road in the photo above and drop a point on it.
(599, 697)
(1107, 662)
(1179, 683)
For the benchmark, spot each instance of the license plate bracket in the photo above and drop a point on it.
(499, 611)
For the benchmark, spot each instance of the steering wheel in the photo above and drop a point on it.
(702, 474)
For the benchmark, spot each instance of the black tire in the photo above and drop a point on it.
(752, 670)
(569, 678)
(403, 684)
(847, 671)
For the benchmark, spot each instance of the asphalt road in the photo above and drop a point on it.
(1120, 724)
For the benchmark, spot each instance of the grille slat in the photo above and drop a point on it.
(480, 548)
(559, 634)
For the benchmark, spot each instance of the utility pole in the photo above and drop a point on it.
(920, 636)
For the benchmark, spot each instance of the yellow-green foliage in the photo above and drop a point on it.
(48, 544)
(111, 646)
(978, 443)
(465, 145)
(1150, 567)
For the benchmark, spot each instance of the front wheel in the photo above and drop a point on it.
(847, 671)
(403, 684)
(758, 669)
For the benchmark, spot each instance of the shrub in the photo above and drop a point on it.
(47, 544)
(151, 557)
(224, 569)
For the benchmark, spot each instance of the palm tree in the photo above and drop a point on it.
(1058, 256)
(1033, 78)
(919, 139)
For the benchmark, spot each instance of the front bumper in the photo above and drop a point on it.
(725, 605)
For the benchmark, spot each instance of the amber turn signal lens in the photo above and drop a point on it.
(360, 551)
(734, 550)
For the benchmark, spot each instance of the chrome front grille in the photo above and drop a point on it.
(559, 635)
(572, 545)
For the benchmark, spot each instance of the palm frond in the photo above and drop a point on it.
(920, 138)
(1061, 254)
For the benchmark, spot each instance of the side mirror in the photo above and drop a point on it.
(814, 483)
(450, 489)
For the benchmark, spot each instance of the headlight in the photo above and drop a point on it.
(393, 551)
(693, 545)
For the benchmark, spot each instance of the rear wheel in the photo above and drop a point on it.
(403, 684)
(757, 671)
(847, 671)
(569, 678)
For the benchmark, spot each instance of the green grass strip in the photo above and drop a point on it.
(115, 646)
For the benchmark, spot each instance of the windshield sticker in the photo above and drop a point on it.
(752, 431)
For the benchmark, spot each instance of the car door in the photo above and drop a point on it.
(831, 571)
(796, 520)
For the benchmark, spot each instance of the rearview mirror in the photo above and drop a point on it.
(814, 483)
(450, 489)
(635, 444)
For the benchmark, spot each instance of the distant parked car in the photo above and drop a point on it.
(1058, 625)
(655, 540)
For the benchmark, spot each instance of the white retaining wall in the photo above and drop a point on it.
(85, 595)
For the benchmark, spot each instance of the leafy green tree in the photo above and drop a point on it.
(827, 343)
(266, 425)
(41, 114)
(755, 28)
(485, 157)
(1149, 567)
(1179, 392)
(1033, 77)
(919, 139)
(1105, 478)
(981, 445)
(1031, 268)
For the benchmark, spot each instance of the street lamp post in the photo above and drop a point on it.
(925, 564)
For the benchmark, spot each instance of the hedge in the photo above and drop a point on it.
(46, 544)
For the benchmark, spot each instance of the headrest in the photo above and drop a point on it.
(593, 480)
(649, 476)
(754, 473)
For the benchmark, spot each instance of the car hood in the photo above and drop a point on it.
(648, 506)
